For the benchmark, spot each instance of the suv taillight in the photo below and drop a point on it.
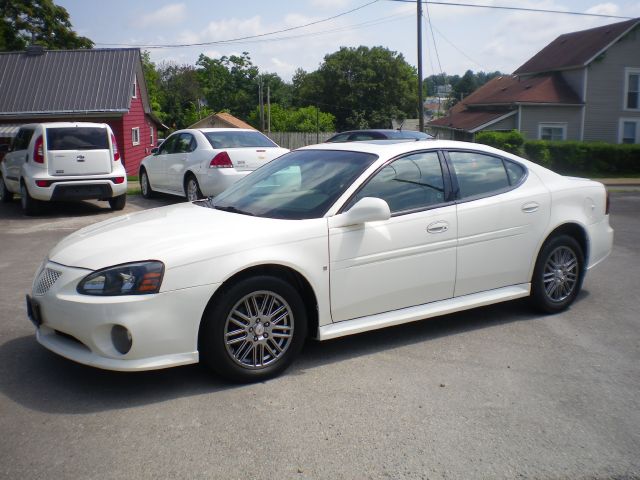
(116, 152)
(38, 150)
(221, 160)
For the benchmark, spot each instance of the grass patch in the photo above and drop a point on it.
(133, 186)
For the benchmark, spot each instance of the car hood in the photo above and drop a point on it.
(176, 235)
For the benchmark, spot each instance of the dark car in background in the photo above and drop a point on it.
(378, 134)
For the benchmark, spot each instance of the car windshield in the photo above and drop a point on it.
(238, 139)
(77, 138)
(299, 185)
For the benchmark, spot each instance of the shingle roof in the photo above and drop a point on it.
(232, 121)
(576, 49)
(61, 81)
(494, 98)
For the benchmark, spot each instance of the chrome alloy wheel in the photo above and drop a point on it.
(192, 190)
(258, 330)
(560, 274)
(144, 184)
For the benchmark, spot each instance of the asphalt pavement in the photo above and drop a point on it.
(498, 392)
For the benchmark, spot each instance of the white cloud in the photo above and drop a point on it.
(172, 14)
(330, 4)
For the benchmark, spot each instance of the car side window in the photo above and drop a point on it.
(515, 172)
(478, 173)
(22, 139)
(168, 145)
(185, 143)
(408, 183)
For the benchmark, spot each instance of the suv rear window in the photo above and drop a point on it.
(231, 139)
(75, 138)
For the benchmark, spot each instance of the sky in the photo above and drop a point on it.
(455, 40)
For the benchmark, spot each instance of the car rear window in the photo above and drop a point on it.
(77, 138)
(229, 139)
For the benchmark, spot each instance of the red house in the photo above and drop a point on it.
(97, 85)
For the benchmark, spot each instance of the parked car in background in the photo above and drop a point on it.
(328, 240)
(378, 134)
(63, 161)
(197, 163)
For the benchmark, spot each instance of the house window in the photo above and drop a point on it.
(134, 89)
(552, 131)
(629, 130)
(632, 89)
(151, 135)
(135, 136)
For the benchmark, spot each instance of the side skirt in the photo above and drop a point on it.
(420, 312)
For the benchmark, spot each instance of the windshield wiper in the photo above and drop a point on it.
(233, 209)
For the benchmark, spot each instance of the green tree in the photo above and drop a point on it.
(152, 80)
(303, 119)
(229, 83)
(362, 87)
(40, 22)
(180, 95)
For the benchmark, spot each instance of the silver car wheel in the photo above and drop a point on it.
(560, 275)
(258, 330)
(192, 190)
(144, 184)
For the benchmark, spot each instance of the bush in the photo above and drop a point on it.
(569, 157)
(508, 141)
(585, 158)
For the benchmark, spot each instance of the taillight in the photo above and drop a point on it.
(607, 204)
(114, 144)
(38, 150)
(118, 180)
(221, 160)
(43, 183)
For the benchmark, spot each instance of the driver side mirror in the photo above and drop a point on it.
(155, 150)
(368, 209)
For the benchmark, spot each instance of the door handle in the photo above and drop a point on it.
(438, 227)
(530, 207)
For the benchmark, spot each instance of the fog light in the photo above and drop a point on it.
(121, 338)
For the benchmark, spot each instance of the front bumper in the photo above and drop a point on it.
(163, 327)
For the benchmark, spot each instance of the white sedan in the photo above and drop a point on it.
(203, 162)
(325, 241)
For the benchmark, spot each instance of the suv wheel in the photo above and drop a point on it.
(30, 206)
(118, 203)
(5, 195)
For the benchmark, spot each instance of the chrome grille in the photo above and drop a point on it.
(45, 281)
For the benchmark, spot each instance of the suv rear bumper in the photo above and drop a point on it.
(73, 189)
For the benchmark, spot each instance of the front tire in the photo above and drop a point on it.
(558, 275)
(192, 189)
(5, 195)
(119, 202)
(145, 186)
(253, 330)
(30, 206)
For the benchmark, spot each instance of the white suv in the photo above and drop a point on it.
(63, 161)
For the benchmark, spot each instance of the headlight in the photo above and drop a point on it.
(129, 279)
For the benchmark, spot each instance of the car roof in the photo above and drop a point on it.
(65, 124)
(218, 129)
(387, 150)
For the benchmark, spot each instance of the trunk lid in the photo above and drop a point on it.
(78, 151)
(251, 158)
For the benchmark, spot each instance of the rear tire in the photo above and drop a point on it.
(30, 206)
(192, 188)
(5, 195)
(145, 186)
(253, 330)
(118, 203)
(558, 275)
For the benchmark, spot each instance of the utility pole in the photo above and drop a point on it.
(420, 102)
(261, 102)
(269, 108)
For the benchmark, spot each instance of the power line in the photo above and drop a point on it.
(519, 9)
(217, 42)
